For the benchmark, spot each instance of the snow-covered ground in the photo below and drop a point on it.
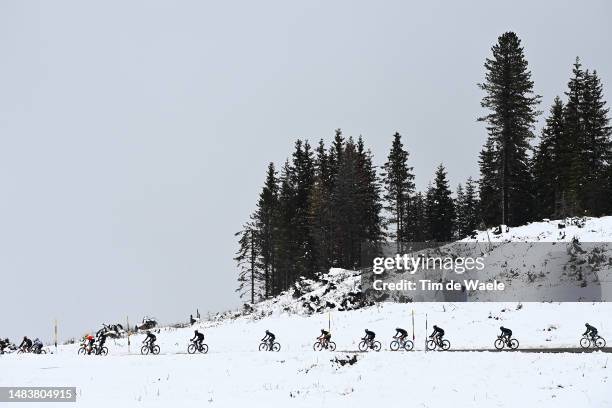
(234, 372)
(307, 379)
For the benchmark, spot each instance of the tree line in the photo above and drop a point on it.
(325, 203)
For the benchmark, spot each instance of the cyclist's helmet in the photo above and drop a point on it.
(322, 330)
(586, 324)
(435, 327)
(501, 327)
(196, 331)
(267, 331)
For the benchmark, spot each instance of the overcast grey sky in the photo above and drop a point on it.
(134, 135)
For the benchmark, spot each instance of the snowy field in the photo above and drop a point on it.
(467, 379)
(235, 373)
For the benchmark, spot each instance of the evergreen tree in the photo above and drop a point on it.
(398, 186)
(509, 97)
(429, 212)
(286, 243)
(347, 210)
(319, 211)
(303, 174)
(550, 166)
(419, 218)
(597, 154)
(369, 193)
(460, 212)
(472, 206)
(265, 226)
(441, 208)
(574, 170)
(585, 185)
(249, 276)
(490, 192)
(466, 209)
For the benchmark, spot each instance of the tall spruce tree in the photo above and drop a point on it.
(398, 182)
(419, 218)
(598, 147)
(265, 226)
(472, 207)
(319, 211)
(369, 193)
(303, 174)
(512, 104)
(466, 209)
(549, 170)
(490, 191)
(460, 208)
(287, 249)
(585, 188)
(573, 168)
(346, 206)
(249, 275)
(441, 208)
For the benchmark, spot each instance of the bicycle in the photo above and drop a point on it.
(399, 343)
(322, 344)
(597, 342)
(100, 351)
(440, 344)
(85, 349)
(201, 347)
(369, 344)
(502, 342)
(149, 348)
(265, 346)
(23, 350)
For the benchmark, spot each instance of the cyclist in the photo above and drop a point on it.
(325, 337)
(101, 340)
(270, 337)
(590, 330)
(369, 337)
(437, 334)
(4, 344)
(89, 342)
(26, 344)
(400, 334)
(198, 338)
(506, 334)
(37, 346)
(150, 339)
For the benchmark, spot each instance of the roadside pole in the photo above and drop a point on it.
(55, 334)
(127, 322)
(413, 325)
(426, 331)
